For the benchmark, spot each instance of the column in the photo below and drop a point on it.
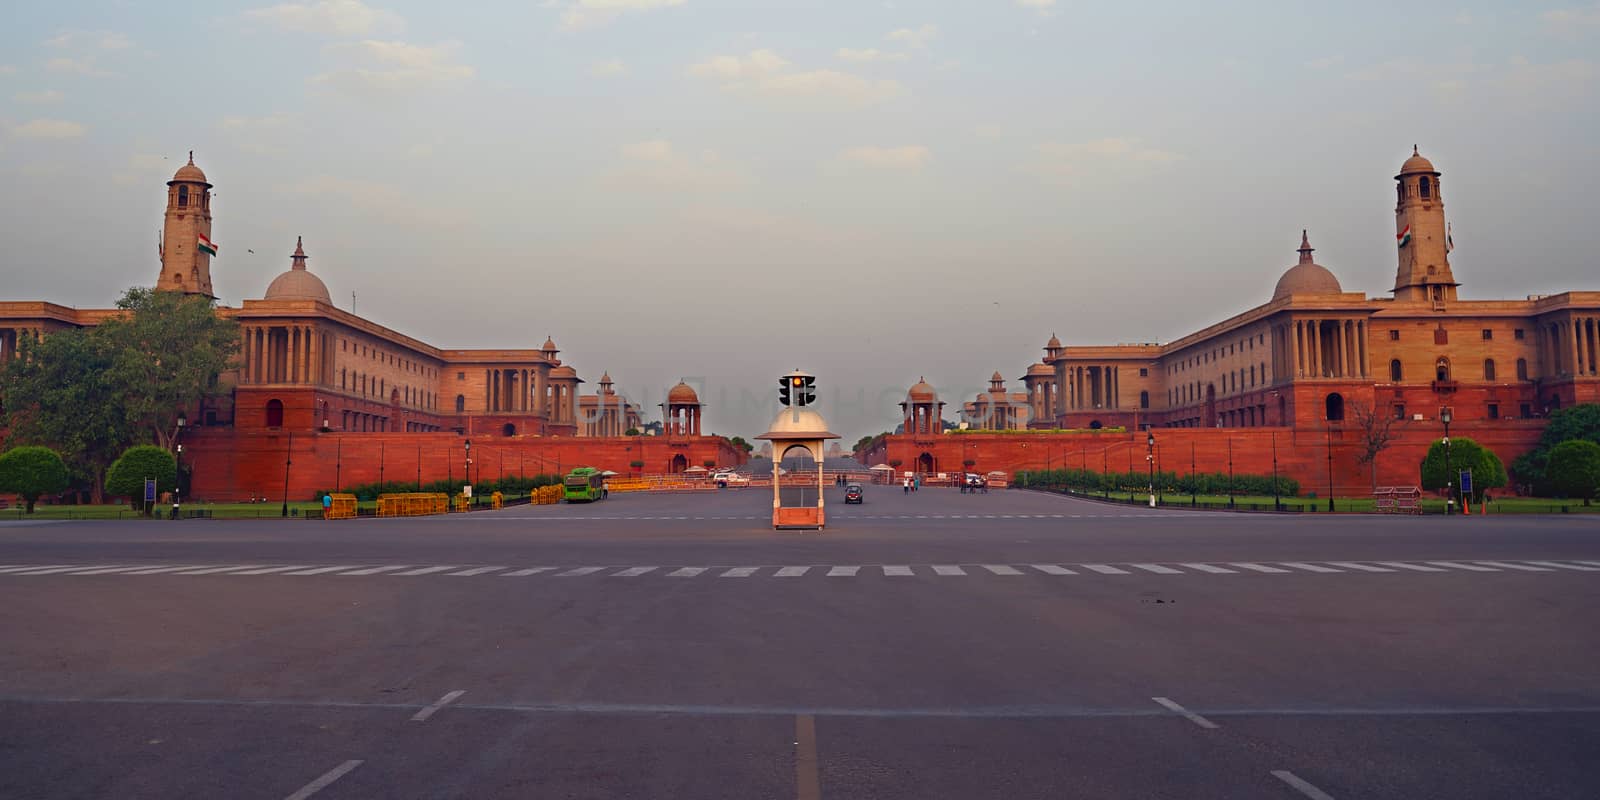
(1572, 340)
(1299, 361)
(1361, 342)
(314, 357)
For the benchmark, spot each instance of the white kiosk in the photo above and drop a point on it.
(797, 427)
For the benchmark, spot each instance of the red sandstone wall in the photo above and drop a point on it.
(229, 466)
(1301, 454)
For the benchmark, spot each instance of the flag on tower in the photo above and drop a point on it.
(1449, 242)
(1404, 236)
(207, 246)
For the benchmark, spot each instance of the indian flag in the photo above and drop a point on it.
(1403, 237)
(207, 246)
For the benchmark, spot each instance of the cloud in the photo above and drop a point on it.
(608, 69)
(868, 55)
(1036, 3)
(329, 17)
(142, 167)
(1077, 158)
(915, 37)
(585, 14)
(7, 69)
(103, 40)
(45, 96)
(390, 203)
(907, 157)
(48, 129)
(764, 72)
(1525, 78)
(1571, 22)
(76, 66)
(267, 134)
(656, 164)
(1326, 62)
(376, 66)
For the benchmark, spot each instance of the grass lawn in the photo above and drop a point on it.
(218, 510)
(1510, 505)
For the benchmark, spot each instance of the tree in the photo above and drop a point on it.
(1377, 433)
(168, 350)
(631, 432)
(1574, 468)
(1465, 454)
(140, 463)
(1577, 422)
(33, 472)
(58, 392)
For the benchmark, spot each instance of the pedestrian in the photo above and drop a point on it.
(983, 485)
(327, 504)
(174, 503)
(905, 486)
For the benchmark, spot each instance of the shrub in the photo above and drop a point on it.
(1574, 469)
(33, 472)
(1465, 454)
(137, 464)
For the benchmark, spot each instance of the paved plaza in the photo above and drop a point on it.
(932, 645)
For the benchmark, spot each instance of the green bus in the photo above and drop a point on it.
(584, 485)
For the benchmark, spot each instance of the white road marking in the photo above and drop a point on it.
(579, 572)
(215, 570)
(478, 571)
(1590, 563)
(54, 570)
(1307, 567)
(1105, 569)
(843, 572)
(633, 572)
(1412, 567)
(1052, 569)
(427, 570)
(1359, 566)
(791, 572)
(1300, 785)
(144, 570)
(891, 571)
(377, 570)
(450, 697)
(1158, 569)
(319, 784)
(686, 572)
(1459, 565)
(524, 572)
(1254, 567)
(1559, 565)
(1212, 568)
(1512, 565)
(948, 569)
(1185, 713)
(739, 572)
(267, 571)
(321, 570)
(33, 566)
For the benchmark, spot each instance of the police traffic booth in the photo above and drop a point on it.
(797, 428)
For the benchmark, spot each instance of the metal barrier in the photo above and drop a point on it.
(412, 504)
(344, 507)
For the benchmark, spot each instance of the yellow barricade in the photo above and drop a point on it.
(497, 501)
(629, 485)
(460, 502)
(344, 507)
(546, 495)
(412, 504)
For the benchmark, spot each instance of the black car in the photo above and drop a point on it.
(852, 493)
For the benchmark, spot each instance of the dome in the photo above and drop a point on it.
(798, 423)
(1053, 344)
(996, 376)
(683, 394)
(190, 172)
(549, 345)
(922, 392)
(298, 283)
(1306, 277)
(1416, 163)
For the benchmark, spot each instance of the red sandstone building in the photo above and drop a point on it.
(324, 374)
(1296, 367)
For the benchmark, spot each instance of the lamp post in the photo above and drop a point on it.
(467, 474)
(1150, 456)
(419, 466)
(338, 463)
(1330, 465)
(380, 466)
(1194, 483)
(1449, 485)
(1277, 504)
(288, 452)
(177, 478)
(1230, 472)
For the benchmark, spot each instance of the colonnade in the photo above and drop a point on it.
(1328, 348)
(519, 390)
(683, 420)
(11, 339)
(1572, 345)
(923, 419)
(285, 354)
(1091, 387)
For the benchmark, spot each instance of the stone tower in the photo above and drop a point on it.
(1420, 235)
(186, 232)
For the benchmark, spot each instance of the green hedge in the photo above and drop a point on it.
(510, 485)
(1085, 480)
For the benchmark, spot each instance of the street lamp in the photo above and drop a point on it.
(178, 462)
(1330, 465)
(467, 476)
(1150, 456)
(1449, 485)
(1277, 505)
(288, 451)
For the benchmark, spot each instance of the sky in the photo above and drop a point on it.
(725, 191)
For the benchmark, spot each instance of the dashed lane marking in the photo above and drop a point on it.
(1002, 569)
(428, 570)
(1461, 566)
(579, 572)
(529, 571)
(897, 571)
(1300, 785)
(1105, 569)
(791, 572)
(1212, 568)
(948, 569)
(467, 573)
(1052, 569)
(1359, 567)
(327, 778)
(1254, 567)
(1170, 705)
(843, 572)
(686, 572)
(739, 572)
(633, 572)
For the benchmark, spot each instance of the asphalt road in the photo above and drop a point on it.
(934, 645)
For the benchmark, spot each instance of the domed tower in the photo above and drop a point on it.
(1307, 276)
(683, 411)
(186, 247)
(298, 283)
(923, 412)
(1420, 234)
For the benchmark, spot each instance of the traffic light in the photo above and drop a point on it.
(783, 390)
(805, 390)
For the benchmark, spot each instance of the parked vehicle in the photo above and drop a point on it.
(583, 485)
(852, 493)
(726, 479)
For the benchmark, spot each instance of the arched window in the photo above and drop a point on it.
(274, 413)
(1488, 369)
(1144, 399)
(509, 430)
(1441, 369)
(1334, 407)
(1522, 369)
(1426, 187)
(183, 196)
(461, 404)
(1396, 374)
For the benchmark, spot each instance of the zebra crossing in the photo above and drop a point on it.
(1058, 569)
